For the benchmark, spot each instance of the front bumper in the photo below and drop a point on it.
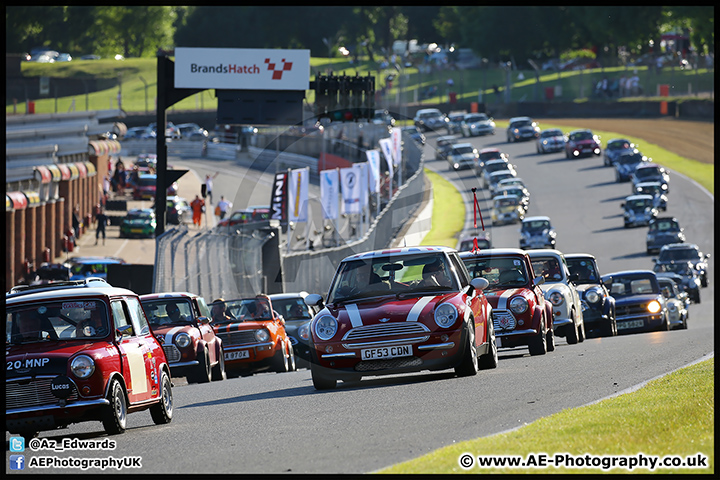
(639, 323)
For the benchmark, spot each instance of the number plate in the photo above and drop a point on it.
(387, 352)
(630, 324)
(237, 355)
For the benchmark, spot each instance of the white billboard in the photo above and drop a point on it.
(242, 68)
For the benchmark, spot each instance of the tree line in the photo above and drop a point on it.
(499, 33)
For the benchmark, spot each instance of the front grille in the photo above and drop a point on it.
(503, 320)
(384, 331)
(371, 365)
(171, 353)
(243, 337)
(32, 393)
(631, 310)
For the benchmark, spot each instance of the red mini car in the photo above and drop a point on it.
(520, 314)
(582, 143)
(254, 337)
(78, 351)
(398, 311)
(181, 321)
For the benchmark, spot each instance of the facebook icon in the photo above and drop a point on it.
(17, 462)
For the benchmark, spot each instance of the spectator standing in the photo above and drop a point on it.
(101, 220)
(209, 186)
(197, 205)
(224, 207)
(76, 221)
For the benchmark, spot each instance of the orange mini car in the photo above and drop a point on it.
(254, 337)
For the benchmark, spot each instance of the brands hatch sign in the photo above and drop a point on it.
(242, 68)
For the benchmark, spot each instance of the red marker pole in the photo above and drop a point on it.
(476, 211)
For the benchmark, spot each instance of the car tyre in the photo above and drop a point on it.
(115, 415)
(550, 340)
(469, 364)
(696, 296)
(581, 332)
(572, 332)
(292, 364)
(538, 344)
(162, 412)
(490, 359)
(280, 361)
(218, 371)
(202, 372)
(321, 381)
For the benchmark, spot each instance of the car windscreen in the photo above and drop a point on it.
(617, 145)
(535, 225)
(584, 268)
(72, 319)
(146, 181)
(475, 118)
(462, 150)
(630, 159)
(628, 285)
(521, 123)
(500, 272)
(550, 133)
(292, 308)
(671, 254)
(163, 311)
(581, 136)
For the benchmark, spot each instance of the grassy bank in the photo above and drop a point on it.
(673, 415)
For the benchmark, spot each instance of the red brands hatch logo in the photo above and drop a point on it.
(277, 74)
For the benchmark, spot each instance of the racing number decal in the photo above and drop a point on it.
(138, 377)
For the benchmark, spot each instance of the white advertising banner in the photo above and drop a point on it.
(386, 146)
(362, 169)
(329, 192)
(298, 194)
(350, 187)
(242, 68)
(373, 157)
(396, 136)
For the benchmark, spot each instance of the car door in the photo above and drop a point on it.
(136, 355)
(206, 330)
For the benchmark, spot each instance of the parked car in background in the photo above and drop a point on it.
(493, 166)
(82, 267)
(490, 153)
(662, 231)
(139, 133)
(383, 117)
(520, 314)
(522, 128)
(468, 240)
(678, 303)
(598, 306)
(656, 190)
(639, 304)
(178, 211)
(181, 323)
(399, 311)
(560, 291)
(145, 187)
(476, 124)
(638, 210)
(626, 163)
(193, 132)
(146, 163)
(443, 146)
(427, 119)
(650, 172)
(297, 315)
(254, 338)
(506, 209)
(139, 222)
(171, 130)
(496, 177)
(537, 232)
(516, 190)
(689, 277)
(414, 133)
(237, 217)
(689, 252)
(550, 140)
(582, 143)
(614, 148)
(454, 123)
(81, 351)
(462, 156)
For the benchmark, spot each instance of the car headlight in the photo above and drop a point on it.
(556, 298)
(654, 306)
(182, 340)
(518, 305)
(593, 295)
(304, 331)
(445, 315)
(326, 327)
(262, 335)
(82, 366)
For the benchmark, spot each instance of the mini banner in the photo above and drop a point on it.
(362, 169)
(350, 187)
(278, 198)
(65, 170)
(396, 136)
(91, 171)
(242, 68)
(329, 191)
(42, 174)
(56, 173)
(373, 157)
(386, 146)
(298, 195)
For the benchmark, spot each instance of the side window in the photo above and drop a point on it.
(120, 319)
(204, 309)
(137, 316)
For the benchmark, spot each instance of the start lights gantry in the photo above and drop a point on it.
(343, 97)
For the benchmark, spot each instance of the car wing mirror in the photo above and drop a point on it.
(539, 280)
(479, 283)
(123, 331)
(574, 277)
(204, 320)
(314, 300)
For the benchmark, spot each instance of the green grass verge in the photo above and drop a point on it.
(448, 216)
(673, 415)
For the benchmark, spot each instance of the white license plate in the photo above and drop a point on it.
(387, 352)
(498, 342)
(237, 355)
(630, 324)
